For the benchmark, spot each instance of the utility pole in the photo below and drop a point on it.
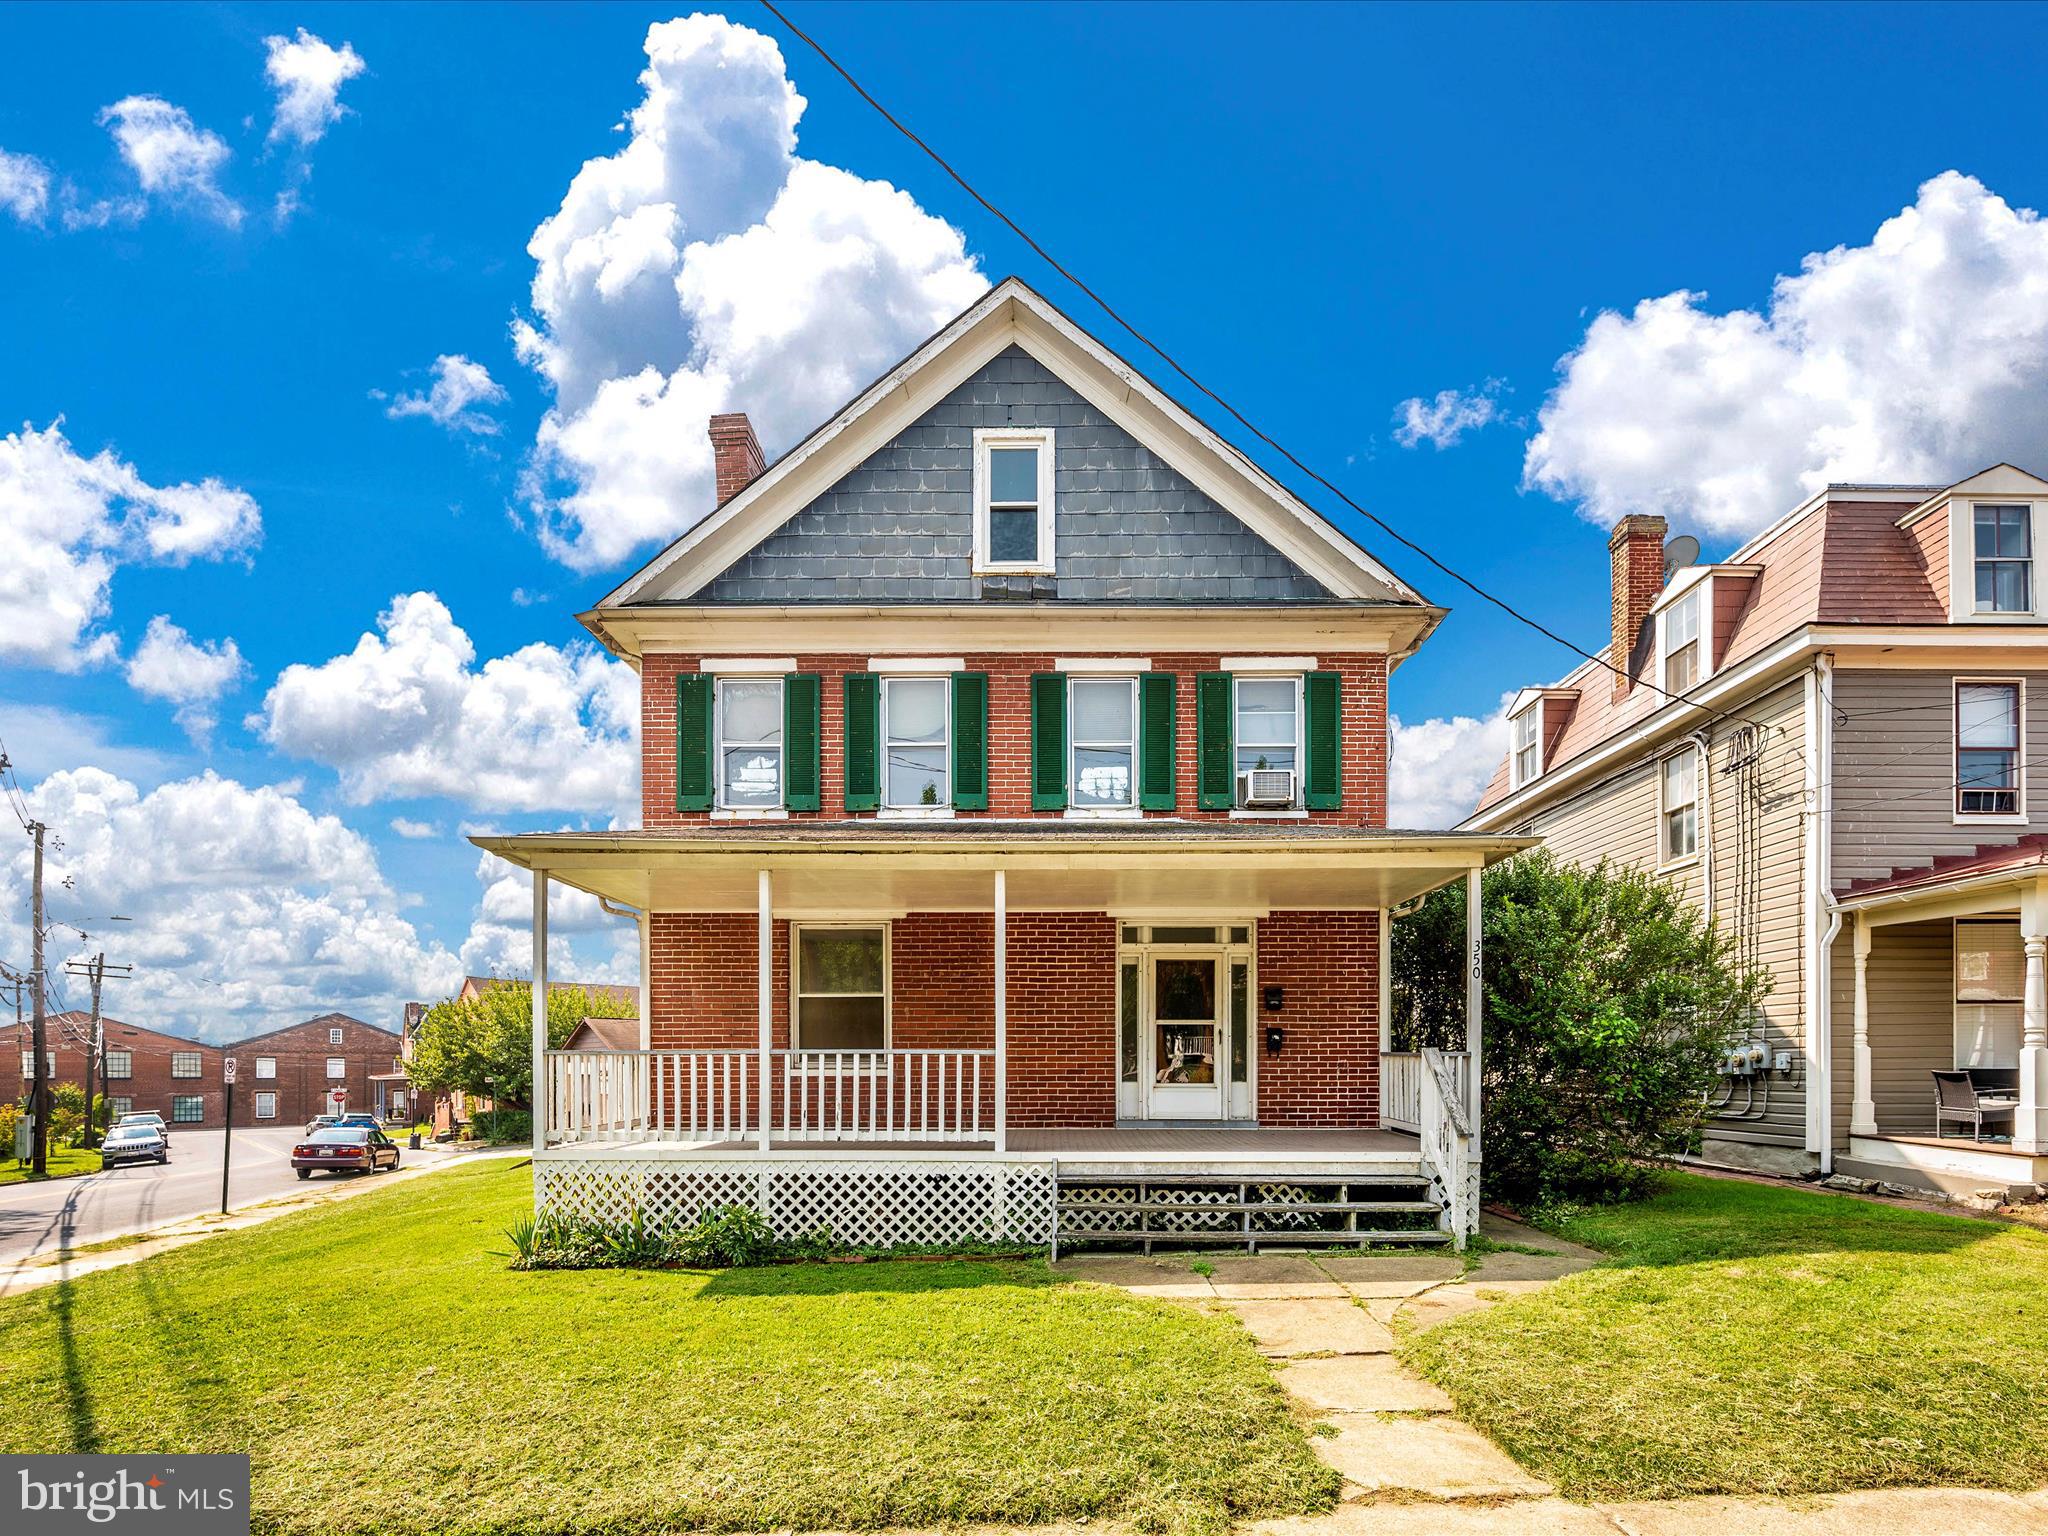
(39, 1097)
(96, 971)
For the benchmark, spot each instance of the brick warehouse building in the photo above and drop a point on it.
(180, 1079)
(285, 1076)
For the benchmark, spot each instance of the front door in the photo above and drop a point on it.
(1184, 1076)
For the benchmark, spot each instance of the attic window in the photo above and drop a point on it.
(1013, 501)
(1528, 746)
(2004, 548)
(1682, 643)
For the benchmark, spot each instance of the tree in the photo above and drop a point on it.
(483, 1046)
(1609, 1002)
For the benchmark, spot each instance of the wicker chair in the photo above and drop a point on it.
(1956, 1098)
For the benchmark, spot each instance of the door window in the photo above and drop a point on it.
(1184, 1020)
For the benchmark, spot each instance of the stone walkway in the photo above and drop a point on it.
(1411, 1466)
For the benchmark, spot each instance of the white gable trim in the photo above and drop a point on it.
(1012, 314)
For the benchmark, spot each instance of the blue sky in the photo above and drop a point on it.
(1325, 211)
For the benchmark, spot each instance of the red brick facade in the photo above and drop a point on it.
(1363, 712)
(149, 1083)
(300, 1053)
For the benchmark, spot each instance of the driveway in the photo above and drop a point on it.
(70, 1213)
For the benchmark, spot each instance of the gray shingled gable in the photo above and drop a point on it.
(1126, 527)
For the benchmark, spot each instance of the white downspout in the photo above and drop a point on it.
(1820, 907)
(1704, 741)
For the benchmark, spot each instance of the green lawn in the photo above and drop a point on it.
(64, 1163)
(388, 1373)
(1750, 1338)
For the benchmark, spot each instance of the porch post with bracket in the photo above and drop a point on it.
(2030, 1129)
(1474, 994)
(765, 999)
(538, 1096)
(1862, 1107)
(1002, 915)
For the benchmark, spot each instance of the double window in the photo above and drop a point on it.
(749, 754)
(1682, 643)
(1526, 745)
(841, 988)
(185, 1063)
(2002, 544)
(120, 1064)
(916, 745)
(1679, 798)
(1013, 513)
(1988, 758)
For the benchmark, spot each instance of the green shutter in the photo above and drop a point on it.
(1215, 784)
(863, 733)
(800, 696)
(1323, 783)
(970, 741)
(694, 782)
(1156, 744)
(1048, 741)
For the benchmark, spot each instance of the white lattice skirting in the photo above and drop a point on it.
(861, 1203)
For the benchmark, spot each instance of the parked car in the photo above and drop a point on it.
(321, 1123)
(345, 1149)
(144, 1117)
(362, 1117)
(134, 1142)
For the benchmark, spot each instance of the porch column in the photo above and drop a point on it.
(764, 998)
(538, 1096)
(1474, 995)
(1862, 1108)
(2030, 1128)
(1002, 911)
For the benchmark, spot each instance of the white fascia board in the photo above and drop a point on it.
(737, 664)
(1116, 666)
(1266, 664)
(1998, 480)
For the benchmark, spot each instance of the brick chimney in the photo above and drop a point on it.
(736, 453)
(1635, 552)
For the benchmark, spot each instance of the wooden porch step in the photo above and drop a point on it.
(1234, 1237)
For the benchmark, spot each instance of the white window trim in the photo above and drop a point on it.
(1266, 664)
(127, 1074)
(334, 1034)
(1533, 714)
(747, 666)
(1969, 537)
(333, 1062)
(1300, 807)
(986, 438)
(944, 809)
(1960, 817)
(1700, 592)
(1962, 559)
(737, 812)
(1116, 666)
(188, 1077)
(915, 664)
(796, 995)
(1135, 806)
(1665, 858)
(269, 1076)
(261, 1095)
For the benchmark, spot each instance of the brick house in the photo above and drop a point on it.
(1013, 837)
(287, 1076)
(145, 1069)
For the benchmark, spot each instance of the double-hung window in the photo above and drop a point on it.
(120, 1064)
(915, 743)
(2003, 546)
(1527, 745)
(266, 1104)
(1013, 513)
(1679, 793)
(337, 1067)
(1268, 736)
(749, 753)
(184, 1063)
(1682, 643)
(842, 988)
(1104, 771)
(1987, 749)
(266, 1066)
(334, 1035)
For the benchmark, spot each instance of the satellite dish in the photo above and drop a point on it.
(1680, 553)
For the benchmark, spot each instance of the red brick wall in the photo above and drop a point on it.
(1062, 997)
(149, 1084)
(1364, 708)
(301, 1051)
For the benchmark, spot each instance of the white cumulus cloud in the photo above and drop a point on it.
(414, 831)
(585, 942)
(307, 75)
(249, 911)
(67, 522)
(24, 187)
(191, 674)
(705, 267)
(1919, 357)
(1442, 420)
(408, 714)
(460, 386)
(171, 156)
(1438, 768)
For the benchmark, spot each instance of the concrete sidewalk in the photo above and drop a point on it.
(1411, 1466)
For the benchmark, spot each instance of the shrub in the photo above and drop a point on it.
(1608, 1004)
(725, 1237)
(504, 1127)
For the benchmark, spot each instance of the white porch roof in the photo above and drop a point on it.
(1160, 866)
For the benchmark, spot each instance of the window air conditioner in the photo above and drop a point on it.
(1266, 788)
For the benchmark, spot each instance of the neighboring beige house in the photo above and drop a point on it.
(1826, 738)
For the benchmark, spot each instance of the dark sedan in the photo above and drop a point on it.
(345, 1149)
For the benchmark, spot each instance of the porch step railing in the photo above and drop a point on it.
(713, 1096)
(1401, 1086)
(1446, 1138)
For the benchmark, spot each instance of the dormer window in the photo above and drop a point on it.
(2003, 545)
(1013, 529)
(1682, 643)
(1527, 761)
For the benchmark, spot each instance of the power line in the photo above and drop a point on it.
(1222, 404)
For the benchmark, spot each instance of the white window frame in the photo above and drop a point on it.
(718, 745)
(188, 1098)
(1695, 598)
(797, 995)
(28, 1065)
(1962, 818)
(1129, 808)
(985, 439)
(1666, 858)
(127, 1057)
(337, 1068)
(2026, 509)
(334, 1034)
(1300, 742)
(1532, 718)
(885, 683)
(268, 1112)
(266, 1068)
(198, 1064)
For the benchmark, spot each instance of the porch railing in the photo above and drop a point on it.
(872, 1096)
(1446, 1139)
(1401, 1086)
